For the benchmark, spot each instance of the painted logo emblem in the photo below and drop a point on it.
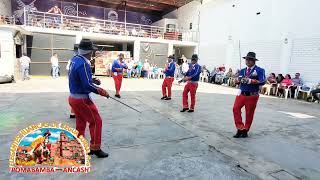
(49, 147)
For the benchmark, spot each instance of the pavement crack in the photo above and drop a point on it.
(155, 142)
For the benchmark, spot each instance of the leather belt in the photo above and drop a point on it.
(246, 93)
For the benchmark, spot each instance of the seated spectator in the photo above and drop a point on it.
(270, 83)
(297, 81)
(213, 75)
(233, 78)
(219, 76)
(134, 32)
(227, 76)
(285, 83)
(315, 93)
(155, 71)
(279, 78)
(222, 68)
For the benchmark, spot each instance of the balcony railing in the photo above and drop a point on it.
(7, 20)
(83, 24)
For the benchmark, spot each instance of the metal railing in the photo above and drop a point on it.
(83, 24)
(7, 20)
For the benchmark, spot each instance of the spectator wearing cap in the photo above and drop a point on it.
(168, 80)
(192, 77)
(297, 81)
(117, 73)
(81, 85)
(250, 80)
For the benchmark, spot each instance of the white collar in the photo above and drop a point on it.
(251, 67)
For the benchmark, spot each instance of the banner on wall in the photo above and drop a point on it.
(104, 61)
(75, 9)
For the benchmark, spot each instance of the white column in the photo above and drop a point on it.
(78, 38)
(170, 49)
(124, 47)
(8, 53)
(136, 50)
(285, 55)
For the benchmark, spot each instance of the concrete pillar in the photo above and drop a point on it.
(170, 49)
(8, 53)
(136, 50)
(124, 47)
(78, 38)
(5, 6)
(286, 55)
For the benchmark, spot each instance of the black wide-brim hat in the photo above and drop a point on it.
(87, 45)
(194, 57)
(251, 55)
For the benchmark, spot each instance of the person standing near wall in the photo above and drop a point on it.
(55, 65)
(250, 80)
(192, 77)
(25, 66)
(117, 73)
(168, 80)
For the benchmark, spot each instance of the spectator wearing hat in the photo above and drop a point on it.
(117, 73)
(192, 77)
(81, 85)
(250, 80)
(168, 80)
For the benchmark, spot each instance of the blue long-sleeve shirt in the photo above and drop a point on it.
(194, 72)
(256, 73)
(80, 76)
(117, 64)
(170, 69)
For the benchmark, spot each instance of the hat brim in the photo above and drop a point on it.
(250, 58)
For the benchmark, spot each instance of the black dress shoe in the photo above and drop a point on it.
(167, 98)
(98, 153)
(164, 97)
(191, 111)
(238, 135)
(117, 95)
(244, 133)
(184, 109)
(72, 116)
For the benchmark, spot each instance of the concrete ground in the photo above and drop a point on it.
(162, 143)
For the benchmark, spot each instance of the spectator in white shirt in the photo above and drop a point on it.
(55, 65)
(185, 67)
(130, 67)
(146, 67)
(24, 65)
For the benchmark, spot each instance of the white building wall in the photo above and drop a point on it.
(5, 8)
(185, 15)
(7, 53)
(222, 26)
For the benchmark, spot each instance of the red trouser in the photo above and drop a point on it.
(117, 82)
(86, 111)
(192, 88)
(250, 103)
(167, 84)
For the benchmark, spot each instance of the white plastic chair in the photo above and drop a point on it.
(308, 92)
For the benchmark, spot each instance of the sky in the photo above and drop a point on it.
(55, 133)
